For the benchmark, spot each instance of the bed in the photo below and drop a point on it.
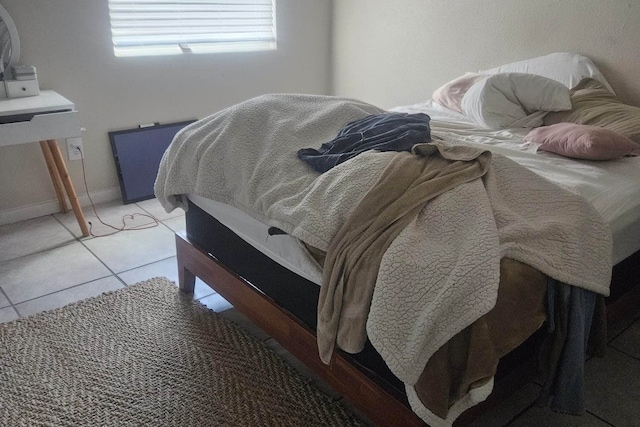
(274, 278)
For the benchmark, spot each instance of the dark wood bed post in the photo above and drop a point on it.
(186, 279)
(377, 403)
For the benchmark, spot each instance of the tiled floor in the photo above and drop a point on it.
(44, 264)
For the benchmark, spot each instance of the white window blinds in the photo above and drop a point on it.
(168, 27)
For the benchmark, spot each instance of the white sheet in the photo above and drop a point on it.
(283, 249)
(612, 187)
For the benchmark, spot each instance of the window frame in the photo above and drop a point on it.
(158, 27)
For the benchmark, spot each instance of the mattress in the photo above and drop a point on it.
(286, 250)
(611, 187)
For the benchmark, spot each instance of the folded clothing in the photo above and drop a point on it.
(382, 132)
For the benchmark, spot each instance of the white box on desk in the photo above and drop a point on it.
(20, 88)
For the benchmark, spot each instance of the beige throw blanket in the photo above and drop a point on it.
(353, 259)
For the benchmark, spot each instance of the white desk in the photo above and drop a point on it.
(45, 118)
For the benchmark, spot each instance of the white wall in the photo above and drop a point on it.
(69, 43)
(397, 52)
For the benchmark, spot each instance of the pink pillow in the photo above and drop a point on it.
(451, 94)
(582, 141)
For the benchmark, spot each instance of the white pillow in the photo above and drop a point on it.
(565, 67)
(507, 99)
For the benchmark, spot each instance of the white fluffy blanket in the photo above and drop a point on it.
(441, 272)
(454, 248)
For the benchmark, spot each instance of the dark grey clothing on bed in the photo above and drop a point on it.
(382, 132)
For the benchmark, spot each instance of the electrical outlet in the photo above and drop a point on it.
(74, 147)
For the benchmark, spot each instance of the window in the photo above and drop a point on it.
(170, 27)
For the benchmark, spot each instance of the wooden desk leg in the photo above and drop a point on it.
(68, 186)
(55, 176)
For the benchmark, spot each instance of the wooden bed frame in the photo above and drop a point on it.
(296, 337)
(382, 405)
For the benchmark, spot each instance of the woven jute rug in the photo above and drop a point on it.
(149, 356)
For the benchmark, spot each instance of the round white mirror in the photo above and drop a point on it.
(9, 44)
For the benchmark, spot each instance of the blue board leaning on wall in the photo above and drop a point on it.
(137, 154)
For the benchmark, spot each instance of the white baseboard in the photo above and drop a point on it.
(49, 207)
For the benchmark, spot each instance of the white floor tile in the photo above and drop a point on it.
(201, 290)
(68, 296)
(154, 207)
(130, 249)
(167, 268)
(36, 275)
(612, 386)
(629, 341)
(509, 408)
(216, 303)
(7, 314)
(536, 417)
(176, 224)
(4, 302)
(111, 213)
(31, 236)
